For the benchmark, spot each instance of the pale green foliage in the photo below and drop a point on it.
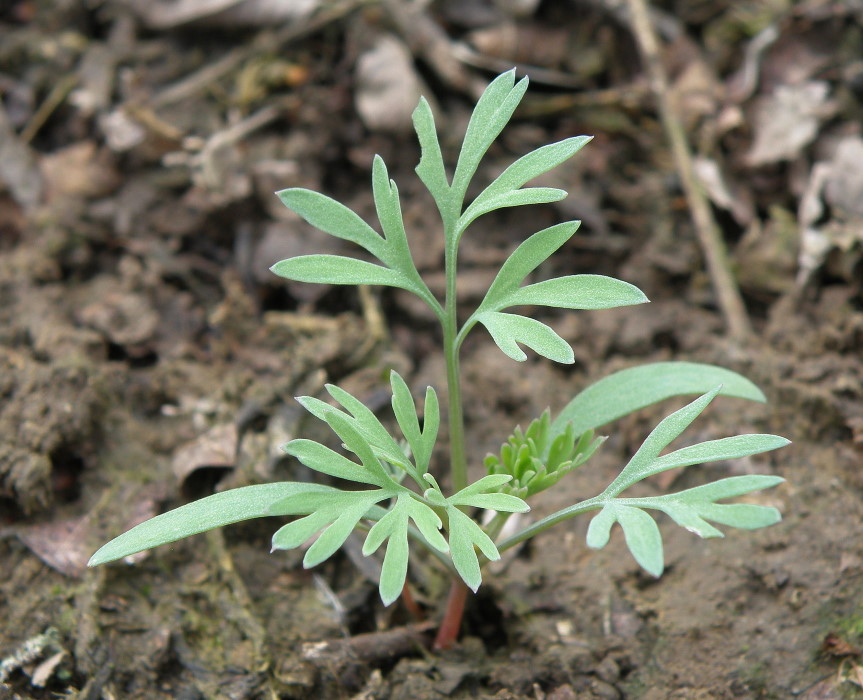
(394, 499)
(690, 508)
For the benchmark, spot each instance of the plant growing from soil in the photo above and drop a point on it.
(399, 503)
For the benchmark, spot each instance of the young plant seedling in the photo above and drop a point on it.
(401, 504)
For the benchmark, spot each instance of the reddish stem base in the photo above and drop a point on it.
(450, 626)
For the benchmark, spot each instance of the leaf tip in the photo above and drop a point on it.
(656, 571)
(388, 598)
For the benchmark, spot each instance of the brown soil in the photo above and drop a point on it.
(147, 357)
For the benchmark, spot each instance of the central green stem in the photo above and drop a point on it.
(451, 624)
(458, 458)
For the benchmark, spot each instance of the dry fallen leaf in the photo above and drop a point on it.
(388, 86)
(844, 186)
(79, 170)
(788, 120)
(125, 318)
(63, 545)
(709, 172)
(44, 671)
(215, 449)
(164, 14)
(839, 184)
(834, 645)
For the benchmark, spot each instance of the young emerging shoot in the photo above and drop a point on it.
(399, 504)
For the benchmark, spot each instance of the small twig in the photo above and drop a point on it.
(370, 648)
(427, 39)
(55, 98)
(229, 136)
(709, 235)
(543, 76)
(198, 81)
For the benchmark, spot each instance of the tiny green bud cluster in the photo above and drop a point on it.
(538, 458)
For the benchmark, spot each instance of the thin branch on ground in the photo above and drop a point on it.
(369, 648)
(709, 234)
(265, 42)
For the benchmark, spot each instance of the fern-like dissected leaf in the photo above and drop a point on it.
(578, 292)
(646, 460)
(384, 445)
(691, 509)
(504, 191)
(508, 330)
(334, 218)
(421, 441)
(199, 516)
(484, 494)
(465, 537)
(374, 431)
(491, 114)
(642, 535)
(431, 169)
(365, 422)
(632, 389)
(393, 529)
(326, 461)
(397, 254)
(386, 194)
(337, 514)
(338, 269)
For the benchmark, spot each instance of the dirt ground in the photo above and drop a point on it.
(148, 356)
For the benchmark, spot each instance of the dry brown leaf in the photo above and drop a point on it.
(125, 318)
(388, 86)
(788, 120)
(165, 14)
(79, 170)
(844, 186)
(839, 183)
(695, 93)
(524, 43)
(217, 448)
(45, 670)
(716, 185)
(834, 645)
(63, 545)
